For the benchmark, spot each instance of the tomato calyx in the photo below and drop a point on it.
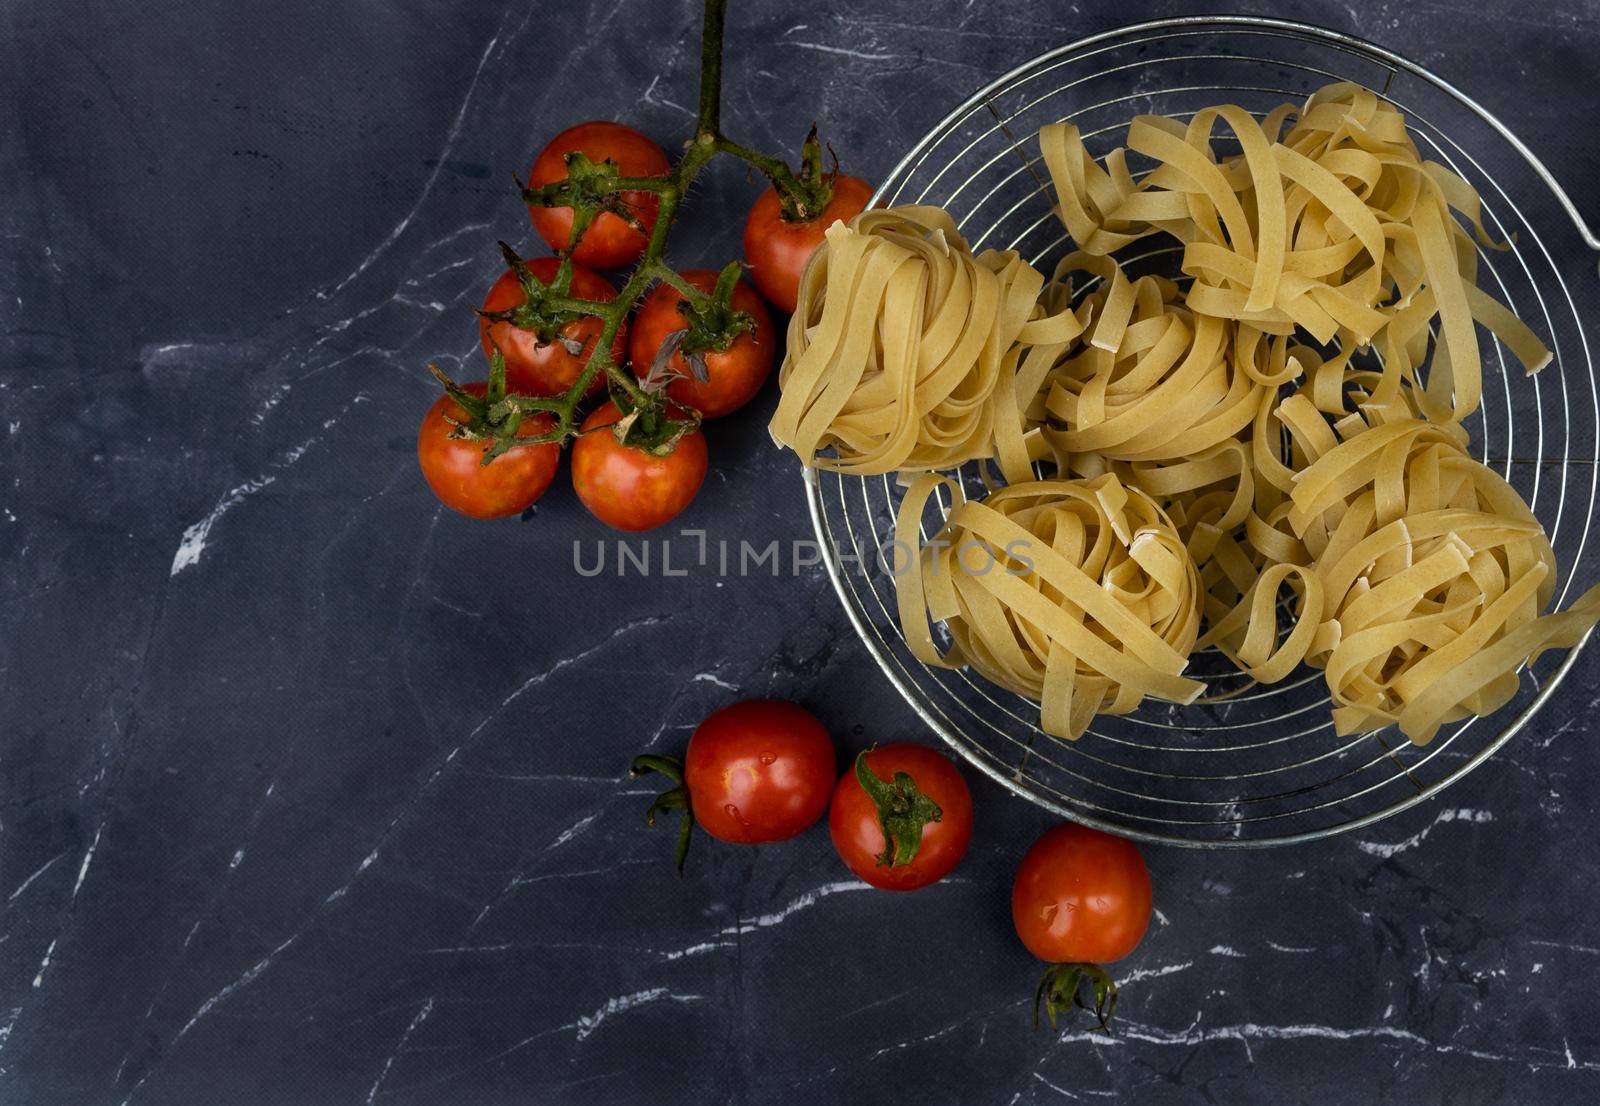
(654, 426)
(903, 811)
(539, 310)
(712, 325)
(1061, 988)
(589, 188)
(674, 798)
(805, 195)
(495, 416)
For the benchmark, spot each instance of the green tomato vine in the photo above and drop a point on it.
(590, 188)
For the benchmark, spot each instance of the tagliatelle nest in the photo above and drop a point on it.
(1431, 574)
(1340, 231)
(1075, 593)
(901, 341)
(1150, 380)
(1190, 489)
(1337, 227)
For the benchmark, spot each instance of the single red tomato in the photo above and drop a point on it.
(760, 770)
(548, 369)
(455, 471)
(629, 488)
(1081, 896)
(777, 249)
(921, 798)
(610, 242)
(733, 375)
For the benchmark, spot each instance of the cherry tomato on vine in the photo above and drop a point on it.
(454, 470)
(1081, 899)
(777, 249)
(548, 368)
(902, 818)
(733, 375)
(609, 242)
(757, 771)
(629, 488)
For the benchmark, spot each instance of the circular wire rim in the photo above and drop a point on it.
(968, 747)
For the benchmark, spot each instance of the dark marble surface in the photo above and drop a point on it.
(309, 790)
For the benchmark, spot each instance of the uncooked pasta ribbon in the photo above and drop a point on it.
(1151, 380)
(904, 348)
(1336, 226)
(1075, 593)
(1415, 576)
(1418, 574)
(1266, 457)
(1434, 575)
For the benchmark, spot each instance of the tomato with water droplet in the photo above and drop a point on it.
(1081, 896)
(760, 770)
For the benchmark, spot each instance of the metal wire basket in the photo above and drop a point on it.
(1263, 766)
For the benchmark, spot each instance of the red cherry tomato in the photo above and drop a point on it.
(627, 487)
(856, 819)
(609, 242)
(777, 250)
(454, 470)
(548, 370)
(1081, 896)
(760, 770)
(734, 375)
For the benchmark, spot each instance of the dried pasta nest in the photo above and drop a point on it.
(1336, 227)
(904, 345)
(1233, 510)
(1415, 575)
(1149, 379)
(1075, 593)
(1427, 581)
(1191, 491)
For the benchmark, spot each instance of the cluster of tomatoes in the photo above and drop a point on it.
(761, 770)
(628, 487)
(765, 770)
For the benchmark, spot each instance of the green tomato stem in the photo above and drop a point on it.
(903, 812)
(588, 190)
(1060, 989)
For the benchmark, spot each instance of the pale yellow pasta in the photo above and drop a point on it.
(1075, 593)
(1434, 574)
(1338, 228)
(1399, 548)
(904, 348)
(1417, 576)
(1192, 493)
(1149, 379)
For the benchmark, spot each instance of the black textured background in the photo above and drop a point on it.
(329, 809)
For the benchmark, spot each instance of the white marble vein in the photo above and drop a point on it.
(1386, 849)
(697, 949)
(713, 678)
(37, 872)
(1140, 974)
(539, 678)
(621, 1004)
(451, 138)
(799, 903)
(421, 1016)
(572, 831)
(193, 543)
(1247, 1033)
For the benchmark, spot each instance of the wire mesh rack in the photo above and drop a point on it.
(1257, 765)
